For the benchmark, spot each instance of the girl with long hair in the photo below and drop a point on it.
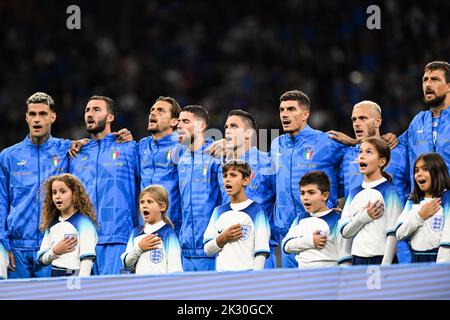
(69, 222)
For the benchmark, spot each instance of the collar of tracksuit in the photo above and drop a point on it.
(201, 150)
(300, 136)
(28, 142)
(166, 140)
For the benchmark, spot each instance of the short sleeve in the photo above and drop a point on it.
(87, 238)
(262, 232)
(173, 252)
(402, 218)
(392, 210)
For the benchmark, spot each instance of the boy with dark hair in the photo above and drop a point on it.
(239, 231)
(314, 236)
(240, 137)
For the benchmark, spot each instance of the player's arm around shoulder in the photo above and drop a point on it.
(173, 249)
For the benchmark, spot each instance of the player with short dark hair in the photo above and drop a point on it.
(199, 189)
(24, 167)
(110, 173)
(301, 150)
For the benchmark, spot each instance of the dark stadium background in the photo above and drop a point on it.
(220, 54)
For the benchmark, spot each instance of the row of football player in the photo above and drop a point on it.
(110, 171)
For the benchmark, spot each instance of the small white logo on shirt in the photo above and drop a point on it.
(22, 163)
(420, 131)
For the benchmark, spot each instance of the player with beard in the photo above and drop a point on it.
(110, 173)
(429, 131)
(157, 150)
(23, 168)
(301, 150)
(199, 188)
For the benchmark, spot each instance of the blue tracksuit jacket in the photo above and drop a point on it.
(24, 167)
(110, 173)
(292, 157)
(157, 167)
(200, 194)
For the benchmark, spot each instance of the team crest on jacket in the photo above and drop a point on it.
(437, 223)
(308, 151)
(169, 154)
(156, 255)
(114, 154)
(55, 160)
(245, 232)
(205, 169)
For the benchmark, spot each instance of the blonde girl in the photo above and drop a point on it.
(153, 248)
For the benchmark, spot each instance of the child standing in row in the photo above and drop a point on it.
(68, 220)
(371, 210)
(154, 247)
(315, 236)
(239, 231)
(426, 213)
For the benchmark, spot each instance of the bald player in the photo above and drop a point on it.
(366, 119)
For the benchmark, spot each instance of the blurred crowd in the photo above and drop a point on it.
(220, 54)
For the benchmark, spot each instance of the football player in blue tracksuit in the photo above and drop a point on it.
(24, 167)
(199, 189)
(366, 119)
(429, 131)
(110, 173)
(157, 150)
(301, 150)
(240, 136)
